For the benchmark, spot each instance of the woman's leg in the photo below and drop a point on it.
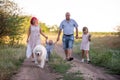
(32, 55)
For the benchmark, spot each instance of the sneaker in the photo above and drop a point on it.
(39, 66)
(71, 58)
(68, 59)
(47, 60)
(36, 62)
(88, 61)
(82, 61)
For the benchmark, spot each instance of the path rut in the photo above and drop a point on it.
(89, 72)
(29, 71)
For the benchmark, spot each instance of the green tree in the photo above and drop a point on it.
(11, 22)
(44, 27)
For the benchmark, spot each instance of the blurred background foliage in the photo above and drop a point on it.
(13, 25)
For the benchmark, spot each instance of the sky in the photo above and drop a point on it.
(97, 15)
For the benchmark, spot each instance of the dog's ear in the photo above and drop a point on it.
(41, 52)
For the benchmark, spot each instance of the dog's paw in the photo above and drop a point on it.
(40, 66)
(36, 62)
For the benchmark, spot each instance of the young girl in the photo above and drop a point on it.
(85, 44)
(33, 38)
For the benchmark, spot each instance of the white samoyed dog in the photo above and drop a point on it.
(40, 54)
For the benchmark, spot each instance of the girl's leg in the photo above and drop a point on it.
(82, 56)
(87, 55)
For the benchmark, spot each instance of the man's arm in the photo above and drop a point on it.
(58, 38)
(76, 27)
(76, 32)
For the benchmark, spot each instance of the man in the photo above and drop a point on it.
(68, 26)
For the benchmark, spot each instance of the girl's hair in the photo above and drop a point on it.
(85, 28)
(33, 18)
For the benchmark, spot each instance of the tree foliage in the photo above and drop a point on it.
(44, 27)
(13, 25)
(11, 22)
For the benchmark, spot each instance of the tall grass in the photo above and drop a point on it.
(61, 66)
(10, 60)
(106, 54)
(58, 64)
(107, 58)
(104, 51)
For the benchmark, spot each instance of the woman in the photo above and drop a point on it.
(33, 38)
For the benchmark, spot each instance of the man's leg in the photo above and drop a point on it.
(70, 46)
(69, 53)
(66, 54)
(65, 45)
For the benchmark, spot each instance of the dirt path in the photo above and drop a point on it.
(29, 71)
(89, 72)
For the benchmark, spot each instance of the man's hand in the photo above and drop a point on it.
(76, 36)
(58, 38)
(76, 33)
(79, 37)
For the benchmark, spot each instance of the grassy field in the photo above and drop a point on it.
(10, 60)
(104, 51)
